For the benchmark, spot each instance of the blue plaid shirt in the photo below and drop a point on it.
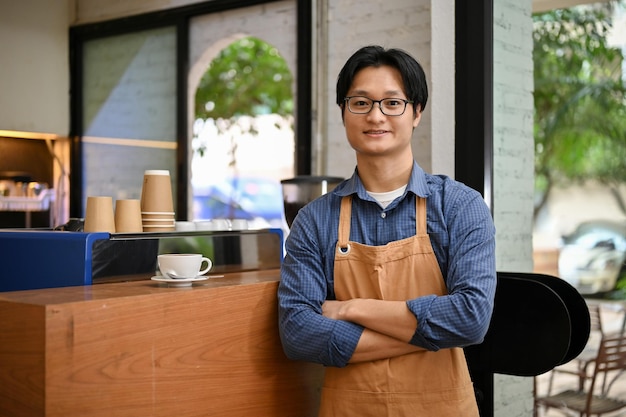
(462, 234)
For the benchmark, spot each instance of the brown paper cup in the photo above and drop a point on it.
(128, 216)
(156, 193)
(157, 216)
(159, 228)
(158, 221)
(99, 216)
(155, 222)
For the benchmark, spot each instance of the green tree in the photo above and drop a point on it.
(580, 123)
(248, 77)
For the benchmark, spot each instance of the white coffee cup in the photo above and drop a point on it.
(183, 265)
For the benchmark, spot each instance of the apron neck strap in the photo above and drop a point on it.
(420, 215)
(345, 216)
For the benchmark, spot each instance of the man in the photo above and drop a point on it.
(387, 277)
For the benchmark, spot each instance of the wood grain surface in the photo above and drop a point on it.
(141, 349)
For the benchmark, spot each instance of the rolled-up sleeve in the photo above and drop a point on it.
(461, 317)
(305, 333)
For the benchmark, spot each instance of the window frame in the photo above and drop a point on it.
(180, 19)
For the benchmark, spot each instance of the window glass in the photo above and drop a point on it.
(129, 113)
(243, 141)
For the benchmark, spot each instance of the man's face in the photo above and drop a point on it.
(375, 133)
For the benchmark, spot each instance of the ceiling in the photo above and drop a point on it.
(544, 5)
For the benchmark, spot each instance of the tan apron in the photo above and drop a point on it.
(421, 384)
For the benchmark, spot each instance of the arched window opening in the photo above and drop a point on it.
(243, 135)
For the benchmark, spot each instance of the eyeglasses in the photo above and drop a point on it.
(388, 106)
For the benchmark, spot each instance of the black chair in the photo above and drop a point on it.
(529, 309)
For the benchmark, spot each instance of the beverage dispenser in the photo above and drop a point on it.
(301, 190)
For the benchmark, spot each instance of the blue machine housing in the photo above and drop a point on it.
(42, 259)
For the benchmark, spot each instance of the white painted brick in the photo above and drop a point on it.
(513, 168)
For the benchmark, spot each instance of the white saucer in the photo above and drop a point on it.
(179, 282)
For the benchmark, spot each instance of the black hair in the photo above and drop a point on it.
(411, 71)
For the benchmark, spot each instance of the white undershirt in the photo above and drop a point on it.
(384, 199)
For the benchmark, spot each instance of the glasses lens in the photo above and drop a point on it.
(359, 105)
(389, 106)
(393, 106)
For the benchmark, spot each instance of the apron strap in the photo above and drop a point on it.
(345, 215)
(420, 216)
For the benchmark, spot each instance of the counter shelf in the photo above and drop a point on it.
(48, 259)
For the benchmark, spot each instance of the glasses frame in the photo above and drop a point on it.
(380, 105)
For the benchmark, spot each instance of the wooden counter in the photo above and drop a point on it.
(142, 349)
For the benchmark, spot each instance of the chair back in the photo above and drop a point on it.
(595, 319)
(611, 357)
(594, 399)
(612, 354)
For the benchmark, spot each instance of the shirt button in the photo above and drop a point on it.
(383, 215)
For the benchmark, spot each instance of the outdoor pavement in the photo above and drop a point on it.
(612, 315)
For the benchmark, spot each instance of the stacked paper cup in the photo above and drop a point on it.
(157, 205)
(99, 217)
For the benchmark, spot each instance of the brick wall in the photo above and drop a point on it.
(513, 168)
(352, 24)
(513, 133)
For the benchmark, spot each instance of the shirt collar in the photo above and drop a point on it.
(417, 184)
